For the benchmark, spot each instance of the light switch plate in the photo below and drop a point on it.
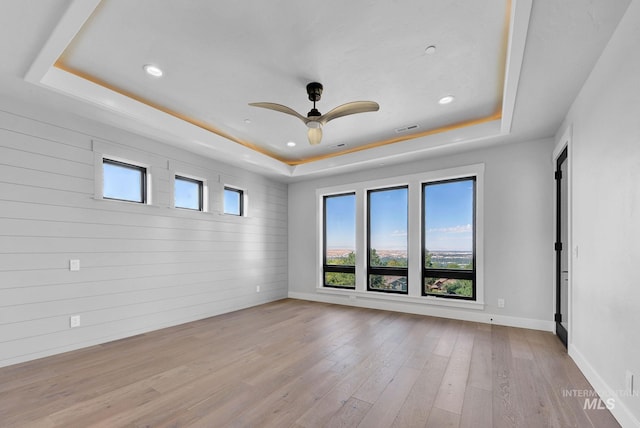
(74, 265)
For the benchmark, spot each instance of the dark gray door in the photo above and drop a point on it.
(561, 247)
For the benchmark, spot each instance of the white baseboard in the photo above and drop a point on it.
(620, 411)
(426, 309)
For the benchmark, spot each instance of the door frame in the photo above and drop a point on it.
(563, 144)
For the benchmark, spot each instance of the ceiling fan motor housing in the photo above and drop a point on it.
(314, 89)
(314, 113)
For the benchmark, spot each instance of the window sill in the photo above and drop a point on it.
(423, 300)
(233, 217)
(123, 201)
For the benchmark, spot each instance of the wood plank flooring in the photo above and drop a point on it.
(299, 364)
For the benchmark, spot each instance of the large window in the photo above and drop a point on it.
(188, 193)
(414, 238)
(233, 201)
(387, 216)
(449, 238)
(339, 265)
(123, 181)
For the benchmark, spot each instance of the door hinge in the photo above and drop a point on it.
(558, 246)
(558, 317)
(558, 175)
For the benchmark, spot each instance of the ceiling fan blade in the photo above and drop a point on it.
(281, 109)
(314, 135)
(349, 108)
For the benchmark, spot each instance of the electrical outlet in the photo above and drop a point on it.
(257, 288)
(629, 382)
(74, 265)
(74, 321)
(501, 303)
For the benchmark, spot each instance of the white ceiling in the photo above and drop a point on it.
(514, 67)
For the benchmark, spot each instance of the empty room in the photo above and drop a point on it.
(419, 213)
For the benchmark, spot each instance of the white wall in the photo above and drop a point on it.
(142, 267)
(605, 154)
(518, 230)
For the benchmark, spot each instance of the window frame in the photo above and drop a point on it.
(327, 268)
(143, 182)
(200, 184)
(414, 181)
(241, 207)
(465, 274)
(385, 270)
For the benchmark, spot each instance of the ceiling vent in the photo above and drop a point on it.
(406, 128)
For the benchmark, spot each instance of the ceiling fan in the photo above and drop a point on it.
(315, 120)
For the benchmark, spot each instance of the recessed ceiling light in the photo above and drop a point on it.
(247, 121)
(291, 144)
(153, 70)
(446, 99)
(430, 50)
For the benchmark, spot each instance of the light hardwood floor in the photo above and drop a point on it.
(293, 363)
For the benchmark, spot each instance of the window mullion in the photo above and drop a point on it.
(414, 273)
(361, 240)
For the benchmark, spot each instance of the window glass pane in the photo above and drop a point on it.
(388, 283)
(388, 223)
(188, 193)
(340, 230)
(448, 286)
(123, 181)
(388, 241)
(232, 201)
(448, 209)
(340, 279)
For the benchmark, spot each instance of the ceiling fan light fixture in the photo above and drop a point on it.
(314, 135)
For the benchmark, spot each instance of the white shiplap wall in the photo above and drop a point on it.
(143, 267)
